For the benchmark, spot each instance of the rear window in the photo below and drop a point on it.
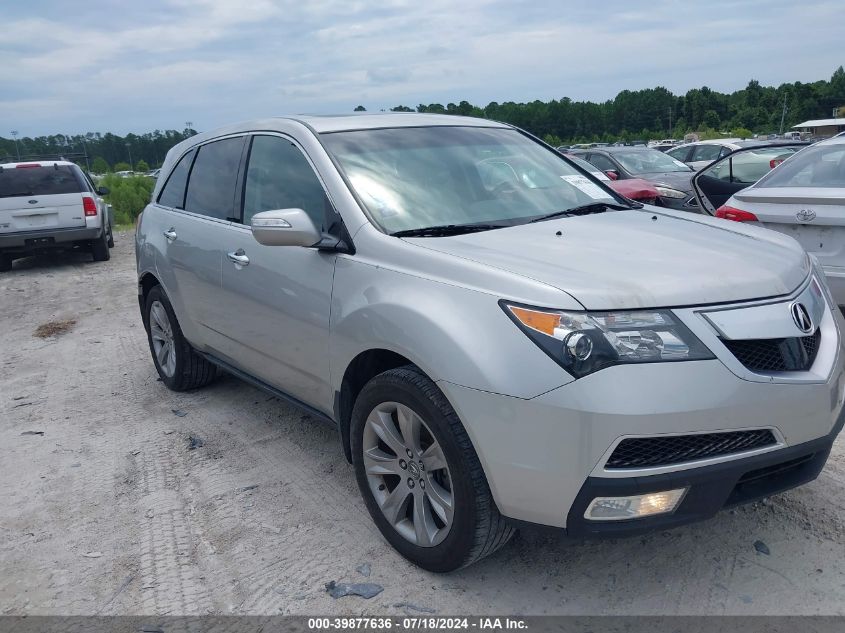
(818, 166)
(39, 181)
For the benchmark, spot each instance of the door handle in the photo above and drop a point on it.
(170, 234)
(239, 257)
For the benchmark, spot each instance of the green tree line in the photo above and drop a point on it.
(658, 113)
(105, 151)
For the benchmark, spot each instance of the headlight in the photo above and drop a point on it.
(668, 192)
(585, 342)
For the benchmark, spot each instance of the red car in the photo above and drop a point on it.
(633, 188)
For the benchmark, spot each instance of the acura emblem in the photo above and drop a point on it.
(806, 215)
(801, 317)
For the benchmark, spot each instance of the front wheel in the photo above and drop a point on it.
(5, 263)
(419, 475)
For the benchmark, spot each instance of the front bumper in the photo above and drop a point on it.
(28, 241)
(709, 488)
(543, 456)
(835, 277)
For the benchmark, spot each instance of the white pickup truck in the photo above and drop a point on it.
(47, 205)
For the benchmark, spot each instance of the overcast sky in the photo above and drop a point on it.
(136, 66)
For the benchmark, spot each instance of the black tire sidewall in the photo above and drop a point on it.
(452, 553)
(175, 381)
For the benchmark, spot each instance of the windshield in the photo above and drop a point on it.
(648, 161)
(412, 178)
(819, 166)
(38, 181)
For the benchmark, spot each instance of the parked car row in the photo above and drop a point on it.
(498, 335)
(670, 177)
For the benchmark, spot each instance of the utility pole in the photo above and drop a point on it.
(783, 114)
(670, 121)
(17, 151)
(190, 126)
(129, 149)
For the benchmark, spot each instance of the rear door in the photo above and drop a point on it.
(715, 184)
(36, 198)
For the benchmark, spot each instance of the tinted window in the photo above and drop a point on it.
(706, 152)
(679, 152)
(39, 181)
(602, 162)
(211, 188)
(173, 194)
(279, 177)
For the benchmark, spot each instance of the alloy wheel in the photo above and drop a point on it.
(161, 334)
(408, 474)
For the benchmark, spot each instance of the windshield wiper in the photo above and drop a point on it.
(584, 209)
(444, 230)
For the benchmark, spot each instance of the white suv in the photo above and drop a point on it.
(48, 205)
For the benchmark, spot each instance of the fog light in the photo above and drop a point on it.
(635, 506)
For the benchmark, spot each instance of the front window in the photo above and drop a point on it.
(648, 161)
(412, 178)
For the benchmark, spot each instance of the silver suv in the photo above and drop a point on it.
(46, 205)
(498, 337)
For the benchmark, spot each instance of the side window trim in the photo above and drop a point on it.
(245, 166)
(187, 179)
(242, 135)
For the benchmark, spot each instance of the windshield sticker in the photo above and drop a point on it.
(587, 186)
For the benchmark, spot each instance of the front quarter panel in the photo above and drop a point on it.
(452, 333)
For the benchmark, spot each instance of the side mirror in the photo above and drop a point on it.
(612, 174)
(284, 227)
(103, 191)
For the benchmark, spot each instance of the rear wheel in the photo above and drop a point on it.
(5, 263)
(419, 475)
(179, 366)
(111, 237)
(100, 247)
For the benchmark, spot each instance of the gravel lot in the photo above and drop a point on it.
(137, 500)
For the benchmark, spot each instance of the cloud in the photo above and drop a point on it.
(155, 64)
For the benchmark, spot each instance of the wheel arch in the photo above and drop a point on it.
(360, 370)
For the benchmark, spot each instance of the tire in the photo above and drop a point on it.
(111, 237)
(474, 528)
(6, 263)
(186, 369)
(100, 248)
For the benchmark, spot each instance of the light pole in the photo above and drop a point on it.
(129, 149)
(17, 151)
(189, 125)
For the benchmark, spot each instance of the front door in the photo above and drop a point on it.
(280, 296)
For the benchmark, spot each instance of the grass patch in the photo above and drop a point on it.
(54, 328)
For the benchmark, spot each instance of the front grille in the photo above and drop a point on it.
(649, 452)
(776, 354)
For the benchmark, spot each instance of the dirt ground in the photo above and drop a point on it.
(121, 497)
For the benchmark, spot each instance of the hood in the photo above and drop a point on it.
(680, 180)
(647, 258)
